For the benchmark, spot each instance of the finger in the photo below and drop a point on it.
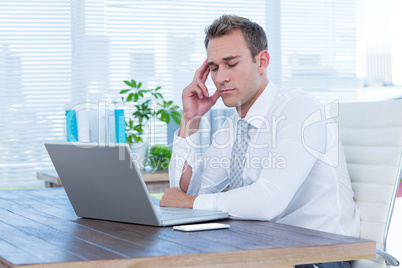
(204, 78)
(203, 88)
(215, 97)
(200, 72)
(197, 90)
(205, 75)
(162, 202)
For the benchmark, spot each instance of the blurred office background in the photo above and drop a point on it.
(57, 54)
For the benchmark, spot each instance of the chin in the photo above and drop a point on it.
(229, 102)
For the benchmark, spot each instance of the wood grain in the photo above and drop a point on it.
(38, 228)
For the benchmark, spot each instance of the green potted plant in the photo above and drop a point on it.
(148, 104)
(159, 157)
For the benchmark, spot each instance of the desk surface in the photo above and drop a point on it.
(39, 227)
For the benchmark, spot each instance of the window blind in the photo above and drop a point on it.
(314, 46)
(56, 54)
(35, 83)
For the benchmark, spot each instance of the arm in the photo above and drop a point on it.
(273, 190)
(196, 102)
(211, 172)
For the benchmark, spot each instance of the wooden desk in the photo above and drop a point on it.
(38, 228)
(157, 182)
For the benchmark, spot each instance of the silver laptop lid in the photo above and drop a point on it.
(102, 182)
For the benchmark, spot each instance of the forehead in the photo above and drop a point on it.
(232, 44)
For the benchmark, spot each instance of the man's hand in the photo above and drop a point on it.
(196, 101)
(174, 197)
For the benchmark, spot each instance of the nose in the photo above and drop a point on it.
(222, 76)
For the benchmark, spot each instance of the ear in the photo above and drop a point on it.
(263, 61)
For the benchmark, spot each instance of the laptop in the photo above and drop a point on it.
(103, 182)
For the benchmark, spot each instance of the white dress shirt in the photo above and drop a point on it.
(295, 171)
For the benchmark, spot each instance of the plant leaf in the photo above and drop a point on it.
(129, 140)
(174, 107)
(176, 119)
(134, 83)
(125, 91)
(130, 97)
(128, 83)
(137, 138)
(159, 156)
(138, 128)
(164, 116)
(167, 119)
(139, 85)
(175, 113)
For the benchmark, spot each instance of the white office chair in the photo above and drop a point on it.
(371, 133)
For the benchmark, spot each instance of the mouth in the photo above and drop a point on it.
(227, 90)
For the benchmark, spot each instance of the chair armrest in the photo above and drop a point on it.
(389, 259)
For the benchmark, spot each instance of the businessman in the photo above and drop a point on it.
(280, 156)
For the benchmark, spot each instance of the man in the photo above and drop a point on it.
(283, 161)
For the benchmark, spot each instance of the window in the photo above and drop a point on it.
(314, 46)
(35, 75)
(55, 54)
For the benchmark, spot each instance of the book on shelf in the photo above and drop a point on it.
(96, 125)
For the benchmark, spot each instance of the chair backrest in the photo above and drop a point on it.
(371, 133)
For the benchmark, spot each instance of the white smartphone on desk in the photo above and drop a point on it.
(200, 227)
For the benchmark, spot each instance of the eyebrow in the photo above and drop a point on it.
(230, 58)
(225, 59)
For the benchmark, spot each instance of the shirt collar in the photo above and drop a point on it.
(256, 116)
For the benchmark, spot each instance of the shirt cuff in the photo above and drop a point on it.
(206, 201)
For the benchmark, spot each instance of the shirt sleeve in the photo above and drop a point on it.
(210, 170)
(184, 150)
(274, 189)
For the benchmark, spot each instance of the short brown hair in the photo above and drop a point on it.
(253, 33)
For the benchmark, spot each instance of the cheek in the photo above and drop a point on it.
(213, 77)
(245, 77)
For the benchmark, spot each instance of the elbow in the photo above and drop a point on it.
(265, 215)
(260, 212)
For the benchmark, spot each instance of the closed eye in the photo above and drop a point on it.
(215, 68)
